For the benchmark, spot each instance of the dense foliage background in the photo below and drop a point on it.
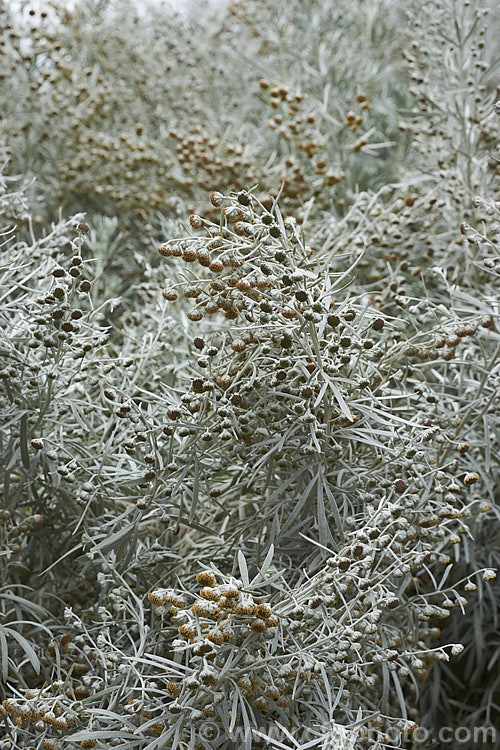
(249, 373)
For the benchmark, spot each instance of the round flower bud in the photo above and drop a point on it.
(238, 345)
(244, 198)
(470, 478)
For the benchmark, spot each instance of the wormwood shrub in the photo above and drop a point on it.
(114, 112)
(332, 111)
(333, 511)
(98, 114)
(59, 435)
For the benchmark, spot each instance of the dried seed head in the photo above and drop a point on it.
(259, 626)
(392, 603)
(244, 198)
(169, 295)
(216, 199)
(262, 611)
(192, 292)
(195, 221)
(211, 308)
(169, 251)
(206, 578)
(216, 266)
(189, 256)
(238, 345)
